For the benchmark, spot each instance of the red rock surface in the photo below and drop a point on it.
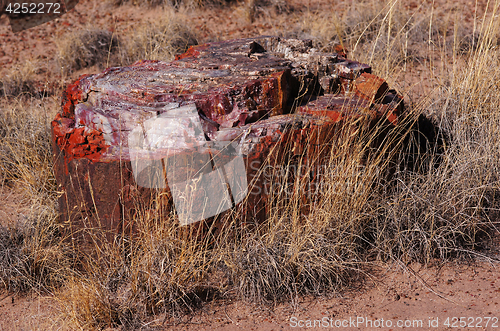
(251, 104)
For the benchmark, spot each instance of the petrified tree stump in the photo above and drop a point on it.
(203, 128)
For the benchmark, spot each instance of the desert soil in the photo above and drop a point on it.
(417, 297)
(415, 294)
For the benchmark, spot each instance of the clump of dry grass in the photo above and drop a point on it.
(252, 9)
(289, 261)
(25, 146)
(19, 81)
(85, 48)
(161, 273)
(31, 255)
(160, 40)
(149, 41)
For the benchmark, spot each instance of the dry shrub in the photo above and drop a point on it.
(159, 40)
(31, 257)
(85, 48)
(19, 80)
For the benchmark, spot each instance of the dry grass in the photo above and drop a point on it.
(389, 36)
(159, 40)
(19, 81)
(85, 48)
(31, 254)
(25, 147)
(442, 206)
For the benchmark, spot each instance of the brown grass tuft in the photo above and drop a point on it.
(85, 48)
(19, 81)
(158, 40)
(148, 41)
(31, 255)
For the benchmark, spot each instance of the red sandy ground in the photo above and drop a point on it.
(427, 294)
(395, 295)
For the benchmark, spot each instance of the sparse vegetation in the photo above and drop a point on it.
(86, 48)
(159, 40)
(32, 256)
(443, 210)
(25, 147)
(19, 81)
(148, 41)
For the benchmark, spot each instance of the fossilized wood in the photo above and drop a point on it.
(274, 102)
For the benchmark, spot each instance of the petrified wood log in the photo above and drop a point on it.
(202, 129)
